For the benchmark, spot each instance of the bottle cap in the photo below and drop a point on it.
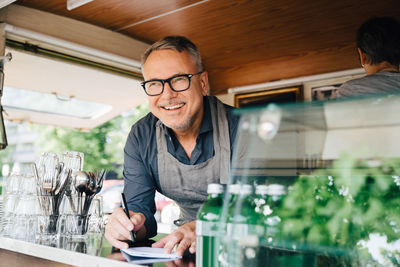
(262, 189)
(234, 189)
(276, 190)
(245, 189)
(215, 189)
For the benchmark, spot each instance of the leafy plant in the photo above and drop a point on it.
(341, 206)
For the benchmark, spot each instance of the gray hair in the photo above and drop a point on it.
(177, 43)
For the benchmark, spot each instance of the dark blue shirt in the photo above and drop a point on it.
(140, 159)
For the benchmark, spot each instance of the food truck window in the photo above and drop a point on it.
(77, 98)
(60, 92)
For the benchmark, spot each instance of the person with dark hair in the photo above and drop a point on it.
(378, 45)
(184, 144)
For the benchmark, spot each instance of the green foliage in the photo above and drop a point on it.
(103, 146)
(341, 206)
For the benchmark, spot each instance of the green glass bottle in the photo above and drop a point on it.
(225, 239)
(233, 190)
(274, 248)
(243, 228)
(207, 227)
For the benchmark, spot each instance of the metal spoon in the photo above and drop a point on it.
(81, 182)
(90, 191)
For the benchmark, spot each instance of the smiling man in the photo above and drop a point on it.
(185, 143)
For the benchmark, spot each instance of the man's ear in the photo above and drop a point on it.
(204, 83)
(362, 57)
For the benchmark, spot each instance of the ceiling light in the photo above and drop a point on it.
(71, 4)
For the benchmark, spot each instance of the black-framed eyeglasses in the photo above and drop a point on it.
(177, 83)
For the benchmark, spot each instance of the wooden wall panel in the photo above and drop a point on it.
(111, 14)
(246, 41)
(260, 41)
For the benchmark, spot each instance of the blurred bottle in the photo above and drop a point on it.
(274, 248)
(243, 230)
(271, 219)
(225, 239)
(207, 227)
(233, 190)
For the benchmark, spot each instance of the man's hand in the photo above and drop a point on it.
(119, 227)
(185, 236)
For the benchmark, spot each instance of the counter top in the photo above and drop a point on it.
(59, 255)
(65, 252)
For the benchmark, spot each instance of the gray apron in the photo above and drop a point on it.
(187, 184)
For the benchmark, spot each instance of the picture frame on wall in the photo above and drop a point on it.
(326, 92)
(283, 95)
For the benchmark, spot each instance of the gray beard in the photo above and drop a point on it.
(183, 127)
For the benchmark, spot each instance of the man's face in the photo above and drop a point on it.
(177, 110)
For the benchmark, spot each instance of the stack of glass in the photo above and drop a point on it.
(43, 206)
(20, 207)
(319, 185)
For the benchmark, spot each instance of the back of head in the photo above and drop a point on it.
(177, 43)
(379, 39)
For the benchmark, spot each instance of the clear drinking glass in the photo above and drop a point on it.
(24, 227)
(73, 226)
(27, 205)
(73, 160)
(7, 220)
(96, 222)
(9, 203)
(47, 218)
(13, 183)
(24, 217)
(10, 197)
(96, 227)
(28, 185)
(18, 203)
(7, 224)
(94, 244)
(74, 219)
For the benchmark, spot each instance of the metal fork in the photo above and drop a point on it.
(49, 183)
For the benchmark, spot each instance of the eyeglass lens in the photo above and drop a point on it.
(179, 83)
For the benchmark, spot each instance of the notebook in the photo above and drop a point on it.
(143, 255)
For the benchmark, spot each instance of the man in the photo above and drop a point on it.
(184, 144)
(378, 42)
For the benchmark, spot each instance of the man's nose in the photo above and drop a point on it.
(168, 90)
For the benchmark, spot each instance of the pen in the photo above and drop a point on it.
(127, 214)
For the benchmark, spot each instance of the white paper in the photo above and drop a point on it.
(142, 260)
(149, 252)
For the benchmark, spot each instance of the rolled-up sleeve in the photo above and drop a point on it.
(139, 186)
